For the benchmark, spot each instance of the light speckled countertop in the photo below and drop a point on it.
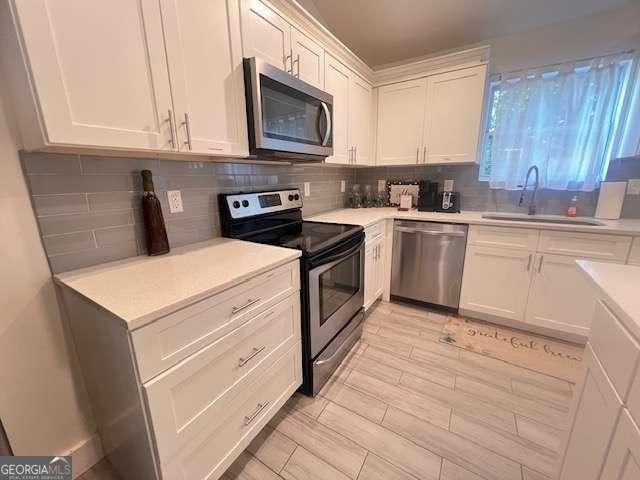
(141, 289)
(369, 216)
(620, 286)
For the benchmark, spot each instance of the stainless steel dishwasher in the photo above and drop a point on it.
(427, 264)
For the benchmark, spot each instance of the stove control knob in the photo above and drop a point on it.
(236, 204)
(296, 196)
(291, 198)
(245, 203)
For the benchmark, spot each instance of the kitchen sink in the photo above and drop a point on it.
(514, 217)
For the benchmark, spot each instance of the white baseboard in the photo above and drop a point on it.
(86, 454)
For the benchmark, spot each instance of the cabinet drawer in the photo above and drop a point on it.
(634, 256)
(615, 348)
(623, 459)
(589, 245)
(163, 343)
(374, 231)
(193, 394)
(515, 238)
(211, 452)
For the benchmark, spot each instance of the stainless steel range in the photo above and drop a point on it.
(331, 272)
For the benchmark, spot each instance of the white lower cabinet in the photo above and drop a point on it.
(623, 460)
(496, 281)
(560, 297)
(510, 273)
(597, 407)
(374, 274)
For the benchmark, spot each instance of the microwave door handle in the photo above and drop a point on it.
(327, 114)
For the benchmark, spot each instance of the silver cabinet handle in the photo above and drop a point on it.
(424, 155)
(297, 62)
(540, 264)
(242, 361)
(172, 141)
(417, 154)
(187, 126)
(251, 417)
(355, 154)
(290, 56)
(250, 302)
(529, 262)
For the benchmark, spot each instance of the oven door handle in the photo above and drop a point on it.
(337, 256)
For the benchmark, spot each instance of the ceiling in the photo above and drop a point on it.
(386, 31)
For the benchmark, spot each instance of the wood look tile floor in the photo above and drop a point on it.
(403, 406)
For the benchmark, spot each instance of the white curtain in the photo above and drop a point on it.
(560, 120)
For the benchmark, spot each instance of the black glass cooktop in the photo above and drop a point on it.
(310, 237)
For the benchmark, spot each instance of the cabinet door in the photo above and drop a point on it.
(379, 289)
(597, 408)
(623, 460)
(369, 274)
(401, 122)
(265, 34)
(205, 60)
(453, 115)
(99, 71)
(496, 281)
(560, 297)
(360, 120)
(308, 59)
(336, 82)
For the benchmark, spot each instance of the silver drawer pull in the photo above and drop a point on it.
(250, 302)
(256, 350)
(250, 418)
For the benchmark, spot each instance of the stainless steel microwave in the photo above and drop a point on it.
(286, 117)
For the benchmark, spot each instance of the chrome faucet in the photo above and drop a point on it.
(532, 201)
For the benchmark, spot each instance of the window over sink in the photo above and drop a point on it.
(567, 119)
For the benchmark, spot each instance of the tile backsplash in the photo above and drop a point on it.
(477, 195)
(88, 207)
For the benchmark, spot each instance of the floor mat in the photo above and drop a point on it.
(542, 354)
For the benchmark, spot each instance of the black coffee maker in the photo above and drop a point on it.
(427, 196)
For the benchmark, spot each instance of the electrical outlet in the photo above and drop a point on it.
(175, 201)
(382, 185)
(633, 186)
(307, 189)
(343, 186)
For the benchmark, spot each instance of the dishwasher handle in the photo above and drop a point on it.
(435, 233)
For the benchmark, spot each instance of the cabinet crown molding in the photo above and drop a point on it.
(409, 70)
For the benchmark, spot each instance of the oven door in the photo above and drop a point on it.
(285, 113)
(336, 291)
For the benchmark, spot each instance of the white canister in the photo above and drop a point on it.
(610, 200)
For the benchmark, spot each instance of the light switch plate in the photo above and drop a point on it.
(633, 186)
(382, 185)
(175, 201)
(343, 186)
(307, 189)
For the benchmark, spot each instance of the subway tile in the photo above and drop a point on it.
(68, 242)
(57, 224)
(169, 167)
(121, 234)
(60, 204)
(72, 261)
(92, 164)
(104, 202)
(50, 163)
(51, 184)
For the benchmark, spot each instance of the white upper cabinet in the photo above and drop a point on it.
(265, 34)
(453, 115)
(204, 53)
(98, 71)
(360, 120)
(431, 120)
(336, 82)
(401, 122)
(308, 59)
